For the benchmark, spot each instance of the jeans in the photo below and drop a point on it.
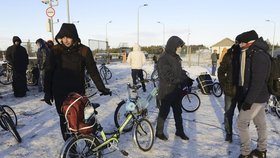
(230, 104)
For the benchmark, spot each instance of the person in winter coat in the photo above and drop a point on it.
(254, 74)
(170, 78)
(228, 75)
(65, 70)
(17, 56)
(137, 59)
(214, 59)
(42, 54)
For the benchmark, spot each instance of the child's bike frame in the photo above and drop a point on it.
(85, 145)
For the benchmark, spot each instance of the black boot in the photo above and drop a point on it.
(161, 136)
(159, 129)
(182, 135)
(259, 154)
(228, 138)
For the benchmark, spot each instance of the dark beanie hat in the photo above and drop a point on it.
(247, 36)
(68, 30)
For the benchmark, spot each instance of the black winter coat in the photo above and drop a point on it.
(228, 71)
(257, 70)
(170, 69)
(65, 70)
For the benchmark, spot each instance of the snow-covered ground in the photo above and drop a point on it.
(38, 125)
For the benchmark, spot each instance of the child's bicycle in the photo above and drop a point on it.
(98, 143)
(190, 103)
(8, 121)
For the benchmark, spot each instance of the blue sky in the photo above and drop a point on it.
(207, 21)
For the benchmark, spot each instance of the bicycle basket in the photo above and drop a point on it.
(73, 109)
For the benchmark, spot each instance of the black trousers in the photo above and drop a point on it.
(172, 100)
(138, 73)
(63, 126)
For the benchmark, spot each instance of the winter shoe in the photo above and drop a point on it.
(228, 138)
(245, 156)
(259, 154)
(161, 136)
(182, 135)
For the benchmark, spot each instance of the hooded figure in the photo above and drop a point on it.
(65, 70)
(17, 56)
(171, 76)
(42, 54)
(137, 59)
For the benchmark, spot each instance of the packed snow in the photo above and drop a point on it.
(38, 124)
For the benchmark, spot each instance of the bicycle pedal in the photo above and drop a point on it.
(124, 153)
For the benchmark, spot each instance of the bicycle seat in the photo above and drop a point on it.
(95, 105)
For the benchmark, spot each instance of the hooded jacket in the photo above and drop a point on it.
(17, 56)
(169, 68)
(136, 58)
(42, 53)
(228, 71)
(65, 69)
(257, 70)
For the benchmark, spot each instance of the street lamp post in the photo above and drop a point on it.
(68, 11)
(163, 33)
(144, 5)
(107, 46)
(51, 18)
(274, 29)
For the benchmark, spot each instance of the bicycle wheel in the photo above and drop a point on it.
(145, 74)
(277, 108)
(11, 113)
(6, 77)
(144, 135)
(105, 72)
(8, 122)
(190, 102)
(90, 88)
(80, 146)
(154, 75)
(120, 116)
(217, 89)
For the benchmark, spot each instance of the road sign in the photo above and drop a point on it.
(50, 12)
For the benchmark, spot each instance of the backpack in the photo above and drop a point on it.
(73, 109)
(274, 77)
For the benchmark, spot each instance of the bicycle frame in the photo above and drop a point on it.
(115, 136)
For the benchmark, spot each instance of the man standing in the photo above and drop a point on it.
(42, 54)
(254, 73)
(137, 59)
(171, 76)
(228, 73)
(17, 56)
(65, 70)
(214, 58)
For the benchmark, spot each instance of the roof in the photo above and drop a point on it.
(224, 42)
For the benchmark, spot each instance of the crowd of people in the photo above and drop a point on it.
(242, 73)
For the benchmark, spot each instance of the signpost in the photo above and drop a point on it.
(50, 12)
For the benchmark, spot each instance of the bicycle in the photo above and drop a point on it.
(6, 74)
(32, 76)
(8, 121)
(190, 103)
(141, 105)
(90, 88)
(105, 72)
(95, 144)
(273, 105)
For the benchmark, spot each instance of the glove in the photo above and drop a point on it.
(48, 99)
(246, 106)
(106, 91)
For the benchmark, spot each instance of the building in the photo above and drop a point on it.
(221, 47)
